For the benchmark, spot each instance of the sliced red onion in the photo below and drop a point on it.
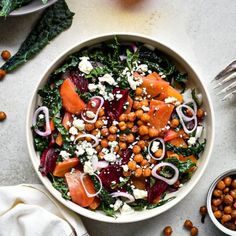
(163, 149)
(96, 114)
(85, 189)
(199, 132)
(168, 181)
(124, 194)
(90, 136)
(134, 47)
(97, 165)
(47, 131)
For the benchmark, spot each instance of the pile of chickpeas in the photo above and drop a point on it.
(224, 202)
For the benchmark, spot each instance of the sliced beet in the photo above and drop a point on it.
(48, 161)
(78, 79)
(126, 154)
(115, 107)
(156, 190)
(110, 174)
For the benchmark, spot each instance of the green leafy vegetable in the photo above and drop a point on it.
(59, 184)
(40, 144)
(73, 61)
(56, 19)
(195, 97)
(195, 149)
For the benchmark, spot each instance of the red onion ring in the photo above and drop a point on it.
(97, 165)
(96, 115)
(48, 131)
(163, 149)
(168, 181)
(85, 189)
(123, 194)
(88, 135)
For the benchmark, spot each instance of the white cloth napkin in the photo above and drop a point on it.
(29, 210)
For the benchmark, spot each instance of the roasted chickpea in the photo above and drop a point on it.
(6, 55)
(153, 132)
(2, 73)
(89, 127)
(138, 158)
(122, 125)
(104, 132)
(227, 180)
(99, 124)
(101, 155)
(132, 165)
(88, 139)
(220, 185)
(122, 145)
(153, 161)
(142, 144)
(138, 91)
(147, 172)
(203, 211)
(145, 103)
(131, 116)
(3, 116)
(116, 149)
(174, 123)
(233, 193)
(139, 123)
(225, 218)
(123, 137)
(130, 124)
(136, 149)
(98, 148)
(218, 214)
(111, 137)
(194, 231)
(145, 117)
(123, 117)
(158, 153)
(226, 190)
(216, 202)
(113, 129)
(200, 113)
(104, 143)
(136, 105)
(143, 130)
(214, 208)
(228, 199)
(139, 113)
(101, 112)
(134, 129)
(144, 162)
(233, 214)
(233, 184)
(130, 138)
(227, 209)
(188, 224)
(138, 172)
(127, 173)
(167, 231)
(217, 193)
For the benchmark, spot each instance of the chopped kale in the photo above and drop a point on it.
(72, 61)
(40, 143)
(59, 184)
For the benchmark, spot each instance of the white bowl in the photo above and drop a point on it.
(33, 6)
(209, 126)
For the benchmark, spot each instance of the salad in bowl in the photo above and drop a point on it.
(117, 128)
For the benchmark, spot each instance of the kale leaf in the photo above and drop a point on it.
(56, 19)
(40, 143)
(72, 61)
(195, 149)
(59, 184)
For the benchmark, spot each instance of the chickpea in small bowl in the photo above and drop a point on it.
(221, 202)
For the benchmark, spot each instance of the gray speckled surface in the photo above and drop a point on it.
(202, 31)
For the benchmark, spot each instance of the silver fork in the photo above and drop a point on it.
(227, 80)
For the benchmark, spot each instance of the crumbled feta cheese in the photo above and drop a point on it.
(79, 124)
(80, 151)
(142, 68)
(93, 104)
(145, 108)
(92, 87)
(64, 154)
(107, 78)
(110, 97)
(73, 130)
(125, 168)
(110, 157)
(105, 150)
(41, 116)
(170, 100)
(155, 146)
(192, 141)
(115, 122)
(119, 96)
(117, 204)
(72, 138)
(121, 179)
(126, 209)
(90, 151)
(90, 114)
(113, 144)
(139, 194)
(85, 65)
(134, 82)
(88, 168)
(68, 123)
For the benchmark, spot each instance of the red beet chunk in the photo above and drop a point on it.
(110, 174)
(115, 107)
(48, 161)
(155, 192)
(126, 154)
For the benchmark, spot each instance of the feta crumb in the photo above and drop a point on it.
(117, 204)
(92, 87)
(121, 179)
(125, 168)
(79, 124)
(41, 116)
(88, 168)
(85, 65)
(73, 130)
(64, 154)
(155, 146)
(170, 100)
(107, 78)
(134, 83)
(142, 68)
(90, 151)
(126, 209)
(90, 114)
(119, 96)
(139, 194)
(80, 151)
(145, 108)
(110, 157)
(72, 138)
(192, 141)
(93, 103)
(68, 123)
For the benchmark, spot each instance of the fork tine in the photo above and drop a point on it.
(230, 68)
(226, 89)
(225, 80)
(229, 96)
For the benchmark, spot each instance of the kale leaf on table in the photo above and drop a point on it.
(54, 20)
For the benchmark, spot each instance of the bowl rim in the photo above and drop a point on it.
(94, 215)
(209, 197)
(18, 12)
